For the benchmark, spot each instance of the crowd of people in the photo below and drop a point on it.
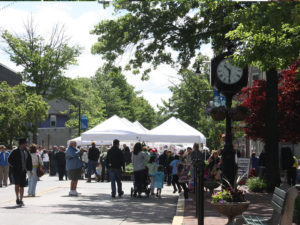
(22, 164)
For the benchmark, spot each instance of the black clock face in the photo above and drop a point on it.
(228, 73)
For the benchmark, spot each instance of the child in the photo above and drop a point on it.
(183, 171)
(159, 180)
(174, 165)
(152, 168)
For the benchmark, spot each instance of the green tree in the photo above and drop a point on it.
(269, 38)
(261, 34)
(43, 61)
(120, 98)
(189, 101)
(20, 111)
(81, 92)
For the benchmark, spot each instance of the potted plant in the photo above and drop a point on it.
(239, 113)
(230, 201)
(218, 113)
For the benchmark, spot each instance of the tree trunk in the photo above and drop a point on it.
(271, 138)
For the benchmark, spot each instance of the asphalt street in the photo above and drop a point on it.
(94, 205)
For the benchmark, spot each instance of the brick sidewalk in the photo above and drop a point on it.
(260, 204)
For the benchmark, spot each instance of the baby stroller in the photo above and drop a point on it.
(145, 189)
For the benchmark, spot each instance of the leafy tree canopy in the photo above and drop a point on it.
(288, 107)
(120, 98)
(81, 92)
(189, 101)
(268, 33)
(19, 112)
(43, 61)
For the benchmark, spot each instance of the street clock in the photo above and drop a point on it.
(226, 77)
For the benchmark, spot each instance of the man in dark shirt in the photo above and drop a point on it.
(61, 162)
(21, 162)
(53, 165)
(115, 163)
(93, 156)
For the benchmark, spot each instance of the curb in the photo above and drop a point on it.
(178, 219)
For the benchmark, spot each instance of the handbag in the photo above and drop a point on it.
(40, 170)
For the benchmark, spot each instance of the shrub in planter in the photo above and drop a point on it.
(256, 184)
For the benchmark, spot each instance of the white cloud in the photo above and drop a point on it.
(79, 19)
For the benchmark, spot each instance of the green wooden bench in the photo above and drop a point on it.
(283, 201)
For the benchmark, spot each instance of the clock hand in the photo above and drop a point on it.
(229, 73)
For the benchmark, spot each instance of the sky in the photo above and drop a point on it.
(79, 18)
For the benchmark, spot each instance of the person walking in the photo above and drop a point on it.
(127, 155)
(183, 179)
(262, 163)
(61, 162)
(159, 180)
(152, 169)
(73, 166)
(139, 159)
(20, 160)
(163, 160)
(4, 166)
(187, 155)
(46, 160)
(168, 174)
(53, 166)
(103, 163)
(115, 163)
(254, 164)
(32, 176)
(93, 156)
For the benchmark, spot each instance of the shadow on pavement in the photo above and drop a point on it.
(139, 210)
(12, 207)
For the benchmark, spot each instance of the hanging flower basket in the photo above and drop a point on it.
(239, 113)
(218, 113)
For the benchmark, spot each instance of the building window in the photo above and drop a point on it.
(53, 121)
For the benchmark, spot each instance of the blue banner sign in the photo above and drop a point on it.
(219, 99)
(84, 122)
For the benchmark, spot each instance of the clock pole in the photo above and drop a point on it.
(229, 80)
(228, 155)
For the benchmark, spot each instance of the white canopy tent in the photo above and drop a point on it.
(77, 139)
(174, 131)
(170, 132)
(113, 128)
(88, 143)
(138, 124)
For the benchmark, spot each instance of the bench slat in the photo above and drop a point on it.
(278, 200)
(255, 220)
(278, 203)
(280, 192)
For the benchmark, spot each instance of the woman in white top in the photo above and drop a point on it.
(32, 177)
(139, 158)
(45, 158)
